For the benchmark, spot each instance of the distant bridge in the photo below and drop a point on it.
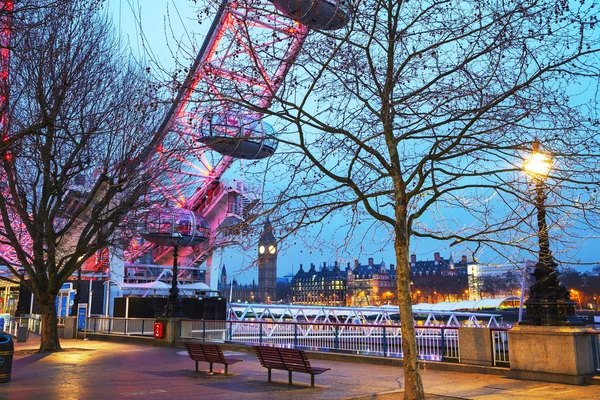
(431, 314)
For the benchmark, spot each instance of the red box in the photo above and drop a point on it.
(159, 330)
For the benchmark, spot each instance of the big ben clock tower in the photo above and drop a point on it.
(267, 264)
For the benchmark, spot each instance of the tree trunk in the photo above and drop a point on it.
(413, 385)
(49, 335)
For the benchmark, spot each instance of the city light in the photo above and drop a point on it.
(538, 164)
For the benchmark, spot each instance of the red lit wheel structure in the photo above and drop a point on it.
(202, 118)
(203, 132)
(174, 227)
(239, 136)
(316, 14)
(228, 71)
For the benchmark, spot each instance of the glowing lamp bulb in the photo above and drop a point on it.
(538, 165)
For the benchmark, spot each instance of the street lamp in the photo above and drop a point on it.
(174, 307)
(77, 296)
(575, 293)
(549, 302)
(176, 228)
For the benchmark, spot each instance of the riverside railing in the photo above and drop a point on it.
(435, 343)
(121, 326)
(33, 323)
(500, 346)
(596, 351)
(12, 326)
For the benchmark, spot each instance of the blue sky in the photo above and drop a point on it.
(163, 21)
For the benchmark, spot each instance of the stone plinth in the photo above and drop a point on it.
(70, 329)
(550, 353)
(475, 346)
(171, 331)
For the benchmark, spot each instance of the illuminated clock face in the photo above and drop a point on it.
(272, 249)
(261, 249)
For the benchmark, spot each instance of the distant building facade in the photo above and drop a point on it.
(326, 286)
(440, 279)
(235, 292)
(498, 280)
(371, 284)
(267, 265)
(438, 266)
(374, 284)
(268, 287)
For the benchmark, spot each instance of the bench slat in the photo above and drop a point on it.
(210, 353)
(290, 360)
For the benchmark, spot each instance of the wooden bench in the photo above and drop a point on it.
(290, 360)
(210, 353)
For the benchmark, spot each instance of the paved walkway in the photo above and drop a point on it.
(102, 370)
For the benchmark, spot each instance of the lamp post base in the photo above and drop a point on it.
(562, 354)
(550, 312)
(174, 308)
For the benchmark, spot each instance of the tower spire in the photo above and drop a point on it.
(267, 263)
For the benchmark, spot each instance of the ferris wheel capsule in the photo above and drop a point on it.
(174, 227)
(323, 15)
(238, 136)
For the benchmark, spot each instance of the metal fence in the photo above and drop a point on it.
(121, 326)
(596, 352)
(434, 343)
(218, 331)
(33, 323)
(500, 347)
(11, 327)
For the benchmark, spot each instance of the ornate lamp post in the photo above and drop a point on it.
(174, 307)
(549, 302)
(177, 228)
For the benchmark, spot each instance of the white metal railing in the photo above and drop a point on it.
(11, 327)
(121, 326)
(205, 330)
(500, 346)
(596, 351)
(434, 343)
(349, 315)
(34, 324)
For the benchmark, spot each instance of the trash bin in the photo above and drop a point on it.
(7, 349)
(22, 333)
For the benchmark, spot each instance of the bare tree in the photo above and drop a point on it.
(76, 160)
(414, 120)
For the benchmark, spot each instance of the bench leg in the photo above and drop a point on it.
(312, 380)
(226, 366)
(269, 375)
(196, 366)
(290, 377)
(210, 367)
